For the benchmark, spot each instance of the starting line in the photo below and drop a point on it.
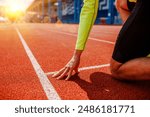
(84, 68)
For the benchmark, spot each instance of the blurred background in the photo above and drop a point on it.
(54, 11)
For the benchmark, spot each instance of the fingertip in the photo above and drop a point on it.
(54, 75)
(67, 78)
(60, 77)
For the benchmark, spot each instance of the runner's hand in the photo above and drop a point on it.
(71, 66)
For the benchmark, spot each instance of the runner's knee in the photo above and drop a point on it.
(114, 68)
(121, 4)
(117, 4)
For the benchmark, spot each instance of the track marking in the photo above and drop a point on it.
(90, 38)
(85, 68)
(100, 40)
(94, 67)
(47, 86)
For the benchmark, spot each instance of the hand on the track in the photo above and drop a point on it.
(71, 66)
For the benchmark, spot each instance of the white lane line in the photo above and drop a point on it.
(94, 39)
(47, 86)
(100, 40)
(85, 68)
(94, 67)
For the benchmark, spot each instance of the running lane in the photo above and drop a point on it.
(18, 80)
(53, 45)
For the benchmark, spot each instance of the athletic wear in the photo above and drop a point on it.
(87, 19)
(134, 38)
(132, 0)
(131, 4)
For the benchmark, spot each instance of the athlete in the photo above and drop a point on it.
(129, 60)
(125, 7)
(89, 11)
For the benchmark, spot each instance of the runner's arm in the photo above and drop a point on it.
(87, 19)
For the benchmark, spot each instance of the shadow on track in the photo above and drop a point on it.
(103, 87)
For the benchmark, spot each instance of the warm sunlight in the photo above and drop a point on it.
(15, 8)
(14, 12)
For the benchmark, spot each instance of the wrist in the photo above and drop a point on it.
(77, 53)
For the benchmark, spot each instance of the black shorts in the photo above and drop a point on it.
(130, 5)
(134, 38)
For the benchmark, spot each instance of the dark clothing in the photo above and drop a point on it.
(134, 38)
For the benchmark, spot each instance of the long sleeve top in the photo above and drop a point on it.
(87, 18)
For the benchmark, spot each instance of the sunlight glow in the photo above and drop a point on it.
(15, 8)
(14, 11)
(15, 5)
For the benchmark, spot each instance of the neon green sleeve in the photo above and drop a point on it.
(87, 19)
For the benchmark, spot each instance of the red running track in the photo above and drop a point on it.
(52, 47)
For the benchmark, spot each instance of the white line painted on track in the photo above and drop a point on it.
(47, 86)
(85, 68)
(100, 40)
(90, 38)
(94, 67)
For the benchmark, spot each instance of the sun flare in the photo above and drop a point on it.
(15, 8)
(14, 11)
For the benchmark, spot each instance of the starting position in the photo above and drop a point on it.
(130, 59)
